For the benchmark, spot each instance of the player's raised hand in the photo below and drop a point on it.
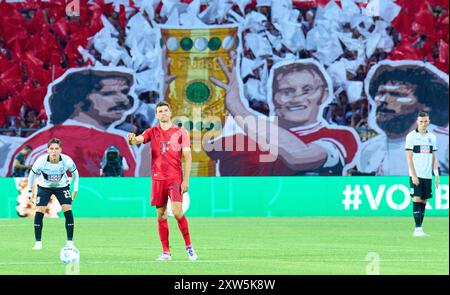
(165, 65)
(131, 137)
(230, 73)
(231, 87)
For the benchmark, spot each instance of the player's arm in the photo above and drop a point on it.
(409, 146)
(409, 158)
(435, 169)
(135, 139)
(17, 165)
(72, 168)
(31, 177)
(187, 169)
(75, 179)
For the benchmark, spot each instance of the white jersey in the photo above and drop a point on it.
(422, 146)
(53, 174)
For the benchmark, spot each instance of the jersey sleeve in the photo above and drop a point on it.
(185, 139)
(409, 144)
(37, 166)
(69, 164)
(147, 135)
(435, 144)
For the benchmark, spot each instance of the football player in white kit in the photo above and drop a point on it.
(51, 169)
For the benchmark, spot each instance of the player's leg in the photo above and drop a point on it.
(426, 194)
(70, 224)
(163, 231)
(417, 207)
(42, 198)
(424, 205)
(38, 225)
(176, 198)
(65, 200)
(417, 210)
(159, 199)
(177, 208)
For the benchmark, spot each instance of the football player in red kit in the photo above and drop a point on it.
(168, 144)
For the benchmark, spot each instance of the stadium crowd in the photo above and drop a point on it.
(39, 42)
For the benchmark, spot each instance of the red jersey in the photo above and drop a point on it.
(247, 163)
(86, 146)
(166, 151)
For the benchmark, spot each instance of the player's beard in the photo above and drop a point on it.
(398, 124)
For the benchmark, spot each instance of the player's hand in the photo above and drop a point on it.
(31, 196)
(231, 87)
(184, 186)
(74, 193)
(131, 137)
(436, 180)
(415, 180)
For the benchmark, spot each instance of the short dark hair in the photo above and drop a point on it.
(28, 147)
(54, 140)
(422, 114)
(430, 89)
(163, 104)
(75, 88)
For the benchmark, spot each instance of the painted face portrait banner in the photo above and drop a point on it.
(397, 91)
(84, 107)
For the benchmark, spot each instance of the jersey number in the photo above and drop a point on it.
(66, 194)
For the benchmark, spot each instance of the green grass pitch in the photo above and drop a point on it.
(302, 245)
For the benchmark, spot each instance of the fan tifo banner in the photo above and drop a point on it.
(197, 104)
(265, 88)
(84, 106)
(417, 85)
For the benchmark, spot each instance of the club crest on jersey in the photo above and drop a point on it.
(164, 146)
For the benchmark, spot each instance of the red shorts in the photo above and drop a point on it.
(162, 190)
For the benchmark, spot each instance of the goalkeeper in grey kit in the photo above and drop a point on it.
(51, 169)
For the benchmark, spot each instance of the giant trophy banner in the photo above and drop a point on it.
(197, 104)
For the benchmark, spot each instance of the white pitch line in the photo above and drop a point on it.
(212, 261)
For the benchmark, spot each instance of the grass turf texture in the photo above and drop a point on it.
(303, 245)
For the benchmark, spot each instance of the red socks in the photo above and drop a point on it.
(184, 228)
(163, 230)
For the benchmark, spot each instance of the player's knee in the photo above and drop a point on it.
(178, 214)
(162, 216)
(67, 208)
(161, 213)
(40, 209)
